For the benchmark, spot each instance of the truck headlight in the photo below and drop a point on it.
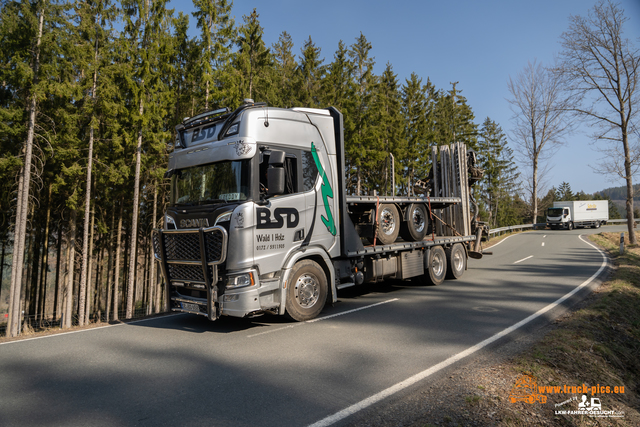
(240, 281)
(169, 222)
(224, 217)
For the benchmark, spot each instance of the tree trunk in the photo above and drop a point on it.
(33, 278)
(90, 283)
(23, 199)
(4, 246)
(110, 269)
(58, 270)
(534, 193)
(116, 284)
(71, 243)
(629, 179)
(45, 262)
(85, 234)
(134, 220)
(152, 270)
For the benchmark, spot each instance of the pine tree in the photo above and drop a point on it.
(92, 40)
(310, 73)
(285, 66)
(148, 43)
(564, 193)
(217, 32)
(454, 119)
(414, 112)
(33, 32)
(364, 134)
(388, 106)
(500, 181)
(252, 64)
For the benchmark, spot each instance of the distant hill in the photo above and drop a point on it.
(620, 193)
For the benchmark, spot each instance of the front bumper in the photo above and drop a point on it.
(189, 258)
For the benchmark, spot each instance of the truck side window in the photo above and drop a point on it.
(309, 171)
(290, 173)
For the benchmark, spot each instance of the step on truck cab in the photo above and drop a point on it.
(259, 219)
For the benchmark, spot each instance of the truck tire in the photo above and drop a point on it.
(570, 226)
(435, 268)
(415, 227)
(597, 224)
(456, 261)
(388, 224)
(306, 291)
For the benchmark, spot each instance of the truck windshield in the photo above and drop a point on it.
(554, 212)
(213, 183)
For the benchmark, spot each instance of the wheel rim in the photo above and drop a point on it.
(437, 266)
(417, 216)
(307, 290)
(387, 221)
(457, 261)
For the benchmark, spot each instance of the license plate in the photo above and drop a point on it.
(190, 307)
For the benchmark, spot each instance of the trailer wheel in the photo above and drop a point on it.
(306, 291)
(456, 261)
(388, 224)
(415, 227)
(435, 267)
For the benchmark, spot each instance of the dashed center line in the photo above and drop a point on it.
(322, 318)
(542, 243)
(523, 259)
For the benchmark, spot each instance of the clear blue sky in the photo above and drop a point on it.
(476, 43)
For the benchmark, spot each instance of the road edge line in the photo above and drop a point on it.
(363, 404)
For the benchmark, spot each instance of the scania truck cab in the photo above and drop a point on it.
(259, 220)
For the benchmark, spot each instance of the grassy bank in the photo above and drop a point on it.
(599, 344)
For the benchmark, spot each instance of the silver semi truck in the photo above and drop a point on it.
(260, 220)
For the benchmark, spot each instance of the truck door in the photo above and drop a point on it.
(280, 222)
(321, 197)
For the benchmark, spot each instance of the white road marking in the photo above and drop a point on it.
(317, 319)
(524, 259)
(542, 243)
(544, 236)
(88, 330)
(338, 416)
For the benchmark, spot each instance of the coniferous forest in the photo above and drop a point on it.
(90, 94)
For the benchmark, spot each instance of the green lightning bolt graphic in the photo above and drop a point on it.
(327, 192)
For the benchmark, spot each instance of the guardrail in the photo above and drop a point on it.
(510, 228)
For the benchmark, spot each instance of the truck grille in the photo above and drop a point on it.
(187, 273)
(181, 254)
(185, 246)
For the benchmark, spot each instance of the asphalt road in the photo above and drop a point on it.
(184, 370)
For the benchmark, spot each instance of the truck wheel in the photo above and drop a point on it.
(570, 226)
(435, 267)
(388, 224)
(415, 227)
(597, 224)
(306, 291)
(456, 261)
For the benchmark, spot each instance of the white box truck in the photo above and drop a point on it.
(581, 213)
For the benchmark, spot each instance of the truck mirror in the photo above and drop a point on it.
(275, 173)
(275, 181)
